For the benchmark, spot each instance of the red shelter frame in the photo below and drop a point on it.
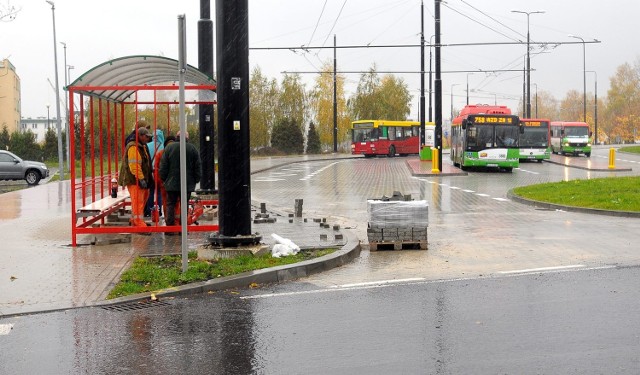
(118, 82)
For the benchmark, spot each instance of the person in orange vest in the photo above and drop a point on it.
(135, 174)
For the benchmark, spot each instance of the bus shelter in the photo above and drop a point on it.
(106, 102)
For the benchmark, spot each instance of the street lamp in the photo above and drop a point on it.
(595, 114)
(55, 58)
(47, 116)
(584, 75)
(66, 101)
(528, 68)
(451, 99)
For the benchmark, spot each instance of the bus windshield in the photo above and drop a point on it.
(506, 136)
(534, 137)
(575, 131)
(365, 134)
(488, 136)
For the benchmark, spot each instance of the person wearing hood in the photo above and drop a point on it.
(156, 144)
(170, 174)
(135, 174)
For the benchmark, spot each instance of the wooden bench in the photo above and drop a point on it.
(102, 207)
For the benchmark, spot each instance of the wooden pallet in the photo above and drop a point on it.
(398, 245)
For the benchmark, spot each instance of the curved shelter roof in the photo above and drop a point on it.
(118, 79)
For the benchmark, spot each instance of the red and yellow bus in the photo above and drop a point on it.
(385, 137)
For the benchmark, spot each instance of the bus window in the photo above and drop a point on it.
(399, 133)
(392, 133)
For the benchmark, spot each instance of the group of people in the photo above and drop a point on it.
(151, 168)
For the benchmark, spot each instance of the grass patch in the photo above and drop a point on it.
(616, 194)
(631, 149)
(149, 274)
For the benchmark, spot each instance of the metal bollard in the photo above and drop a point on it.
(263, 208)
(612, 158)
(298, 208)
(435, 168)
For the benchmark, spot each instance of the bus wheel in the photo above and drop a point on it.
(588, 154)
(392, 151)
(508, 169)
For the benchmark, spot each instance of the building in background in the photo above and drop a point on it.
(38, 127)
(9, 97)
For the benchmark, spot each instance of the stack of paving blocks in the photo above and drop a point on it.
(397, 223)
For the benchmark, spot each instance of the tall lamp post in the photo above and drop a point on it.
(66, 102)
(55, 58)
(595, 110)
(528, 68)
(47, 116)
(584, 75)
(451, 98)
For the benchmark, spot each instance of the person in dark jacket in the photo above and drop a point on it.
(170, 174)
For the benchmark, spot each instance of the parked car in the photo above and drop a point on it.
(13, 167)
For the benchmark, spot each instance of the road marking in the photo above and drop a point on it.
(454, 188)
(501, 199)
(468, 191)
(268, 179)
(482, 195)
(5, 329)
(419, 281)
(380, 282)
(542, 269)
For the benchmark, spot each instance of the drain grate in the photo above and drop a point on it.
(133, 306)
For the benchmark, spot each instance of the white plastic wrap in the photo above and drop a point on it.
(398, 214)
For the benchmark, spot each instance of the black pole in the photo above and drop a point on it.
(596, 112)
(232, 49)
(430, 86)
(438, 87)
(335, 97)
(524, 89)
(422, 127)
(528, 111)
(206, 112)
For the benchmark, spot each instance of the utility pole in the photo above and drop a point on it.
(206, 111)
(438, 86)
(335, 97)
(422, 127)
(528, 67)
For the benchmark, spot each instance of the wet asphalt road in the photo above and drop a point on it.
(571, 322)
(463, 306)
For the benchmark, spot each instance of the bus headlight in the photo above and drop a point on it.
(566, 144)
(588, 144)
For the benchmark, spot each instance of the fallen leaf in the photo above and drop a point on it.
(12, 278)
(253, 285)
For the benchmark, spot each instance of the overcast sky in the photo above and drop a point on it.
(96, 32)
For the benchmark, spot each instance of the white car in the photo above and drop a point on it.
(14, 168)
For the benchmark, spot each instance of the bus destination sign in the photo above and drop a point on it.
(493, 120)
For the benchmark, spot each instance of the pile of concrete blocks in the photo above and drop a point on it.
(397, 221)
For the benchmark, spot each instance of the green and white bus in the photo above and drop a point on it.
(486, 140)
(571, 138)
(534, 140)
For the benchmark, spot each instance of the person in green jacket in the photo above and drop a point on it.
(170, 174)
